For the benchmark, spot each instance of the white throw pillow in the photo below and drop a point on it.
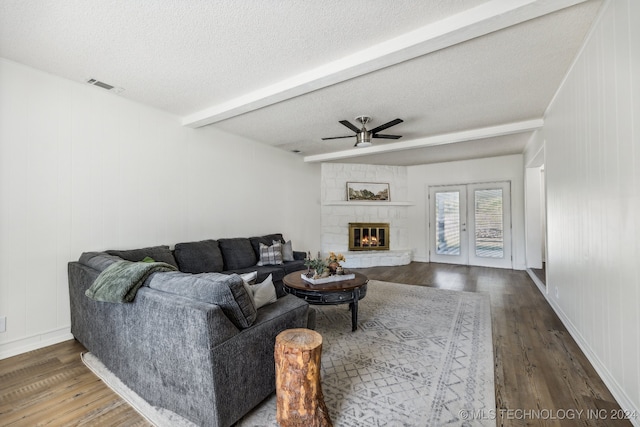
(264, 293)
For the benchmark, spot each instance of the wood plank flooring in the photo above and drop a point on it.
(542, 378)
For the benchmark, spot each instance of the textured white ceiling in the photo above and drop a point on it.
(187, 56)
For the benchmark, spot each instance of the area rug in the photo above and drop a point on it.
(420, 357)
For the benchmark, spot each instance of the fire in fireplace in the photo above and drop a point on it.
(368, 236)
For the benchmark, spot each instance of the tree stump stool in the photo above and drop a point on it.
(300, 402)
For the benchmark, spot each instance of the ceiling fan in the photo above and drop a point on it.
(363, 136)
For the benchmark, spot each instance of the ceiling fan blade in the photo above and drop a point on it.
(379, 135)
(386, 125)
(338, 137)
(349, 125)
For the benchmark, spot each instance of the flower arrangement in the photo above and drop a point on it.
(333, 257)
(325, 266)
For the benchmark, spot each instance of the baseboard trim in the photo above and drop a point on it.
(34, 342)
(541, 286)
(618, 392)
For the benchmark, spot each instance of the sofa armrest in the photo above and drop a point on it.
(299, 255)
(252, 352)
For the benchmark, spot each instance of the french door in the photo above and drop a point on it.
(471, 224)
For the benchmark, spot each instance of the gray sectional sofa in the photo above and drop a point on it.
(230, 255)
(190, 341)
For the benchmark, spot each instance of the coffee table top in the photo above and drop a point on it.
(293, 280)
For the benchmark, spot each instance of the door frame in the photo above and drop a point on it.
(507, 263)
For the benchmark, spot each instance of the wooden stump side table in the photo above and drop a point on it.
(299, 399)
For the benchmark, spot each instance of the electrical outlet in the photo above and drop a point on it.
(3, 323)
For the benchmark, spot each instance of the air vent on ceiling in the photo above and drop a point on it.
(103, 85)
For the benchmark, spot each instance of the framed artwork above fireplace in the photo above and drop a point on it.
(368, 191)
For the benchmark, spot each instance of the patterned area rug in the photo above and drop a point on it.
(420, 357)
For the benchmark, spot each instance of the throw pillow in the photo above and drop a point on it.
(264, 293)
(270, 255)
(250, 278)
(287, 251)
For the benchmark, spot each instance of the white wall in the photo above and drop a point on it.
(82, 169)
(534, 193)
(535, 201)
(505, 168)
(592, 133)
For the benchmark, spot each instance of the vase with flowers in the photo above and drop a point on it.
(323, 267)
(333, 262)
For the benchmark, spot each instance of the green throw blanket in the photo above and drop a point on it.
(121, 280)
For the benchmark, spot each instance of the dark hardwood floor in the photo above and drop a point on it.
(542, 378)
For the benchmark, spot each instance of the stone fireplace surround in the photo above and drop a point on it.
(337, 213)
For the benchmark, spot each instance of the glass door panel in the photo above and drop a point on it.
(490, 224)
(448, 223)
(489, 237)
(448, 237)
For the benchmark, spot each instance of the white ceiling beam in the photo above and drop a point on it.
(486, 18)
(449, 138)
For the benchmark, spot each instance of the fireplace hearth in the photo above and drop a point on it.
(368, 236)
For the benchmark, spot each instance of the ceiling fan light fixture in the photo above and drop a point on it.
(364, 136)
(363, 139)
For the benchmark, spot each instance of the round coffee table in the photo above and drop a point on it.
(341, 292)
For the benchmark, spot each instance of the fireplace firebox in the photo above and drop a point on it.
(368, 236)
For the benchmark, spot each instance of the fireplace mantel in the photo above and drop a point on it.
(365, 203)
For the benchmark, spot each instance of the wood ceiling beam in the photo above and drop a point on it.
(486, 18)
(449, 138)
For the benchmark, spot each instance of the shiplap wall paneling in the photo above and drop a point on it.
(593, 186)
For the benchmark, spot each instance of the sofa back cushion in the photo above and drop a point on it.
(237, 253)
(224, 290)
(199, 257)
(98, 260)
(158, 253)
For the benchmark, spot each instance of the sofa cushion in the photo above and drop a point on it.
(98, 260)
(199, 257)
(237, 253)
(158, 253)
(265, 240)
(270, 255)
(226, 291)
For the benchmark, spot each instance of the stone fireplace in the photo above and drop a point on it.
(337, 212)
(368, 236)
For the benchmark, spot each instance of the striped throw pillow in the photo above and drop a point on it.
(270, 255)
